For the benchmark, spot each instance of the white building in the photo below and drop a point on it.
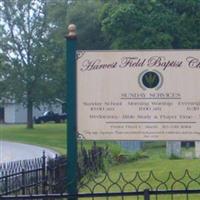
(16, 113)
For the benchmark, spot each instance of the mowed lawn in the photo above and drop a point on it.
(46, 135)
(53, 136)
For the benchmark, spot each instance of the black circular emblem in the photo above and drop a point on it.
(150, 79)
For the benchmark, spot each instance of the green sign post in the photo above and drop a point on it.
(71, 112)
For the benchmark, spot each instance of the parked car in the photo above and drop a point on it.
(50, 116)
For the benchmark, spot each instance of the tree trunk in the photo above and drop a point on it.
(29, 114)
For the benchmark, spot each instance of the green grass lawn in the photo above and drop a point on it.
(47, 135)
(124, 176)
(54, 136)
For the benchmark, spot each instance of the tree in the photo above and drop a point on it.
(85, 14)
(141, 24)
(28, 73)
(57, 17)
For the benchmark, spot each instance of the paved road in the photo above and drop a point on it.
(12, 151)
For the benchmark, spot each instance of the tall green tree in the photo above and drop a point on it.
(85, 14)
(57, 18)
(28, 73)
(141, 24)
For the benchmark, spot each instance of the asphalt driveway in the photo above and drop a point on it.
(12, 151)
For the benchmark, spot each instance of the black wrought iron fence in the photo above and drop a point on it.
(44, 175)
(46, 179)
(22, 177)
(134, 195)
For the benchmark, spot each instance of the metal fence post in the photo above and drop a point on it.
(6, 183)
(37, 181)
(146, 194)
(23, 182)
(43, 172)
(71, 110)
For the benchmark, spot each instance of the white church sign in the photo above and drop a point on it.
(139, 95)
